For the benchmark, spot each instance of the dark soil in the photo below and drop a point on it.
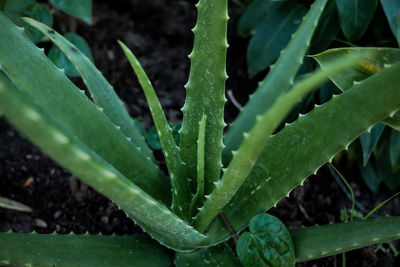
(159, 33)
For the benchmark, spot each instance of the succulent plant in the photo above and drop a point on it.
(213, 191)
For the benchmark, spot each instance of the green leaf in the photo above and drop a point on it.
(39, 12)
(254, 15)
(380, 30)
(267, 244)
(74, 110)
(78, 8)
(370, 139)
(205, 92)
(17, 9)
(395, 149)
(153, 139)
(61, 61)
(325, 240)
(59, 143)
(180, 187)
(220, 255)
(384, 168)
(272, 35)
(279, 80)
(281, 166)
(380, 205)
(80, 250)
(375, 60)
(327, 29)
(254, 142)
(392, 11)
(370, 177)
(100, 89)
(140, 126)
(355, 16)
(198, 198)
(393, 121)
(13, 205)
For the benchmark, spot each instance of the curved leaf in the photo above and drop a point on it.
(395, 149)
(61, 61)
(376, 59)
(316, 137)
(384, 168)
(79, 8)
(198, 198)
(392, 11)
(368, 173)
(355, 16)
(74, 110)
(153, 140)
(205, 92)
(370, 139)
(17, 9)
(80, 250)
(279, 80)
(254, 15)
(46, 132)
(180, 187)
(327, 29)
(100, 89)
(393, 122)
(246, 156)
(325, 240)
(272, 35)
(267, 244)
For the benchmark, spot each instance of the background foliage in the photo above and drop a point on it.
(345, 23)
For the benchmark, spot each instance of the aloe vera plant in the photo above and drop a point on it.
(211, 192)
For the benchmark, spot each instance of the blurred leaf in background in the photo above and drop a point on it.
(384, 167)
(344, 23)
(327, 30)
(153, 139)
(355, 17)
(270, 23)
(392, 11)
(17, 9)
(81, 9)
(395, 150)
(369, 140)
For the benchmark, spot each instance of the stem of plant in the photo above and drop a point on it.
(229, 227)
